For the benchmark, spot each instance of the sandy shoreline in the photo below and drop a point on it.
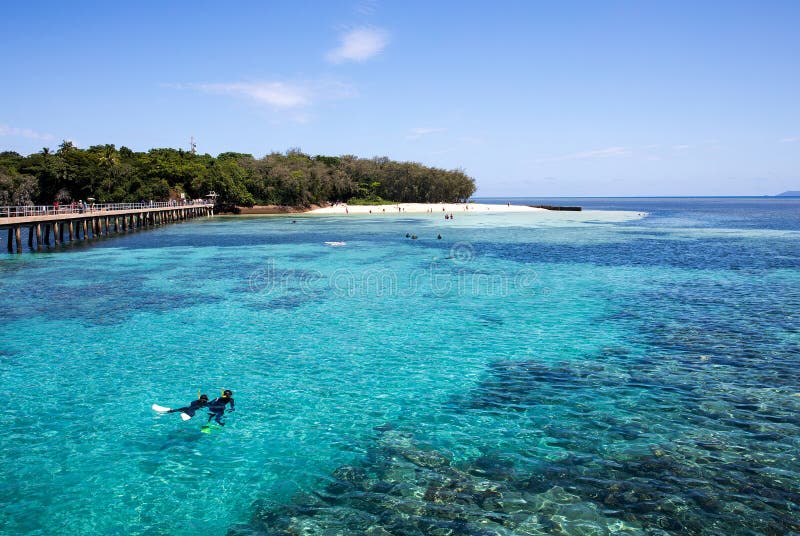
(421, 208)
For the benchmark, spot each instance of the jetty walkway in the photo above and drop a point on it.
(55, 225)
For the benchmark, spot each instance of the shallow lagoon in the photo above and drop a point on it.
(583, 373)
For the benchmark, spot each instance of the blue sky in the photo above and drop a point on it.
(530, 98)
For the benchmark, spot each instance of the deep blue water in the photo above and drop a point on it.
(561, 373)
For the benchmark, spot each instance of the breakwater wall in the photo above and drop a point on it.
(554, 207)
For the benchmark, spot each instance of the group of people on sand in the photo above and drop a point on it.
(216, 408)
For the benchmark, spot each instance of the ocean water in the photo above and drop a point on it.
(627, 369)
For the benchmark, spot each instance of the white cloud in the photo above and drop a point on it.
(279, 95)
(790, 140)
(6, 130)
(359, 45)
(417, 133)
(366, 7)
(681, 147)
(608, 152)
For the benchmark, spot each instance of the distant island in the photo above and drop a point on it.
(106, 174)
(790, 193)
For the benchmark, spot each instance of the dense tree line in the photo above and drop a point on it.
(110, 175)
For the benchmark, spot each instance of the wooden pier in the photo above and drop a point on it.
(45, 226)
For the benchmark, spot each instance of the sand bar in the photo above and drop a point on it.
(422, 208)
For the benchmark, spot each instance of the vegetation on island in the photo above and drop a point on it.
(111, 175)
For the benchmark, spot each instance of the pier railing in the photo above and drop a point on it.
(92, 208)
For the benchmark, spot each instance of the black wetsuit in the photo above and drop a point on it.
(191, 408)
(216, 408)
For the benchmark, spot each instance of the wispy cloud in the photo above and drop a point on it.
(609, 152)
(790, 139)
(417, 133)
(366, 7)
(278, 95)
(359, 45)
(6, 130)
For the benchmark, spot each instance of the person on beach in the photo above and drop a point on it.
(216, 407)
(191, 409)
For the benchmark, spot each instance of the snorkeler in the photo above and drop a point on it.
(201, 402)
(216, 407)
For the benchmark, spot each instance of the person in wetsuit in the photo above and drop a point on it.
(216, 408)
(201, 402)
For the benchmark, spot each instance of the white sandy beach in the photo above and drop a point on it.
(421, 208)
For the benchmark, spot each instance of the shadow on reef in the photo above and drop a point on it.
(402, 488)
(719, 477)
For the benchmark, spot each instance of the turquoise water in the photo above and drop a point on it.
(568, 373)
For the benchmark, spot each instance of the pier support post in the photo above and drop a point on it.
(38, 236)
(71, 230)
(18, 236)
(30, 237)
(85, 229)
(10, 240)
(56, 233)
(46, 234)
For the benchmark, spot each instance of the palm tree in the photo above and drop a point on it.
(109, 158)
